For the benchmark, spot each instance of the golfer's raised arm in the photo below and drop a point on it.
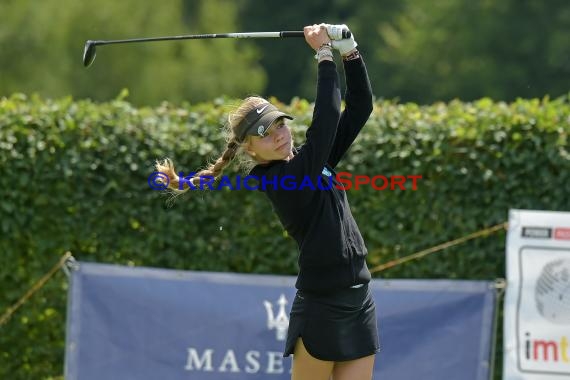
(321, 133)
(358, 99)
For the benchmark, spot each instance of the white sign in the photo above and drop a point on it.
(537, 303)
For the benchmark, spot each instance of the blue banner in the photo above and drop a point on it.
(145, 323)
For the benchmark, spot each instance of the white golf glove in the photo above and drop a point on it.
(342, 45)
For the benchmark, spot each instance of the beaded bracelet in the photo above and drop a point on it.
(325, 50)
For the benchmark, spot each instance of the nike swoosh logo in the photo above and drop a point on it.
(262, 109)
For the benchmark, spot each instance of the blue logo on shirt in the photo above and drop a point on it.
(326, 172)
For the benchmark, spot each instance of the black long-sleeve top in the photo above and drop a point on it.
(332, 251)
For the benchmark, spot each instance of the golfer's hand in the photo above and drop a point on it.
(344, 46)
(316, 35)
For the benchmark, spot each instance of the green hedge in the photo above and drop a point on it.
(74, 177)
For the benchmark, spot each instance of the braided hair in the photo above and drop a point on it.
(234, 149)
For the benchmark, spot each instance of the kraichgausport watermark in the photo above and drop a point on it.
(342, 180)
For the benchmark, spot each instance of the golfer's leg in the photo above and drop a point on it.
(306, 367)
(359, 369)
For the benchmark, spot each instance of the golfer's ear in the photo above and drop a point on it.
(247, 147)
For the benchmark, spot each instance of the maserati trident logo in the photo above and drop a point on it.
(232, 362)
(279, 322)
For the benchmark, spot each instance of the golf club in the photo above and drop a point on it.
(89, 50)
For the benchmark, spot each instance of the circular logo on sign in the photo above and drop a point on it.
(552, 293)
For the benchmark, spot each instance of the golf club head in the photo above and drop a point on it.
(89, 53)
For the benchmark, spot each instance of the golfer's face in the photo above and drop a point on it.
(275, 145)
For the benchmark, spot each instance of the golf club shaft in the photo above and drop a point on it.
(204, 36)
(90, 46)
(283, 34)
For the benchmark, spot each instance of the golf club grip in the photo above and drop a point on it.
(345, 34)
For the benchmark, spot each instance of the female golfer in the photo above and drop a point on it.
(332, 328)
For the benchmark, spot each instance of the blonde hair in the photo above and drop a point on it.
(234, 150)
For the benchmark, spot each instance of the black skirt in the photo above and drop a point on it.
(334, 327)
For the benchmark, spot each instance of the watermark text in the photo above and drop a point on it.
(342, 181)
